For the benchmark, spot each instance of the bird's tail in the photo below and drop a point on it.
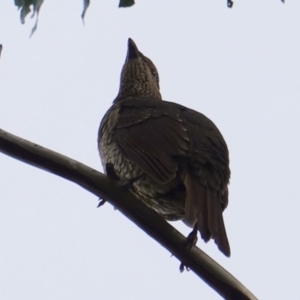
(203, 206)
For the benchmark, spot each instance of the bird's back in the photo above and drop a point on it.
(174, 158)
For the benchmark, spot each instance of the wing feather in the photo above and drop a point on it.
(153, 144)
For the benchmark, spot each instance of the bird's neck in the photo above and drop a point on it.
(129, 91)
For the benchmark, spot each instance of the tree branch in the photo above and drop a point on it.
(154, 225)
(102, 186)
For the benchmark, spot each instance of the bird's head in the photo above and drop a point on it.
(139, 77)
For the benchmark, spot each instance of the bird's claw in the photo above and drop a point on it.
(183, 267)
(192, 238)
(101, 202)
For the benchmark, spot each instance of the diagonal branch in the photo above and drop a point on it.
(106, 188)
(155, 226)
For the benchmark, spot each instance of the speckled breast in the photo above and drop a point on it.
(109, 150)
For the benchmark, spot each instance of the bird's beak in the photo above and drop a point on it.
(132, 51)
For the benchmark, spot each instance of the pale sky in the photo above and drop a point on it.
(240, 67)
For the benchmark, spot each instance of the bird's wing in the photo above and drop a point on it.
(206, 179)
(209, 152)
(150, 138)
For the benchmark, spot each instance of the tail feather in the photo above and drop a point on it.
(201, 208)
(212, 211)
(203, 205)
(221, 239)
(196, 205)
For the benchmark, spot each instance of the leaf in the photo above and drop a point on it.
(24, 5)
(230, 3)
(126, 3)
(86, 4)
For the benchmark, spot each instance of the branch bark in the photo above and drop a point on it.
(106, 188)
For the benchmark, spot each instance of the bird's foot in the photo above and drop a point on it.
(192, 238)
(101, 202)
(110, 171)
(183, 267)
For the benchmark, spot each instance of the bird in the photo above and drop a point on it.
(175, 158)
